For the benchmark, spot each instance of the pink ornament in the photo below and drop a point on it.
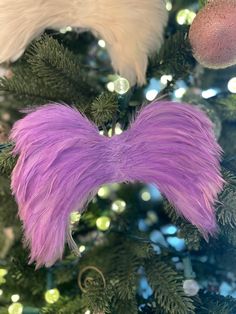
(213, 34)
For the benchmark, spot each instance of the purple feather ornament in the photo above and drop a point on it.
(63, 161)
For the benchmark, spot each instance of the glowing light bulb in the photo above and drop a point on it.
(82, 248)
(118, 129)
(232, 85)
(87, 312)
(52, 296)
(104, 192)
(75, 217)
(15, 298)
(15, 308)
(121, 86)
(185, 16)
(179, 93)
(103, 223)
(168, 6)
(66, 29)
(151, 94)
(111, 87)
(118, 206)
(146, 196)
(211, 92)
(3, 272)
(102, 43)
(1, 292)
(165, 78)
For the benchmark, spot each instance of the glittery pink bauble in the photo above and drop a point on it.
(213, 34)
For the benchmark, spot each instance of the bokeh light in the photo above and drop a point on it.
(52, 296)
(103, 223)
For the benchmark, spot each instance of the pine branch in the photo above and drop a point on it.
(175, 57)
(65, 305)
(226, 108)
(215, 304)
(104, 108)
(49, 72)
(187, 231)
(7, 161)
(226, 210)
(168, 287)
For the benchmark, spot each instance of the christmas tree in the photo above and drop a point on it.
(137, 255)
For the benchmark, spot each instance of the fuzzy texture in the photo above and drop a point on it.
(213, 34)
(63, 161)
(133, 30)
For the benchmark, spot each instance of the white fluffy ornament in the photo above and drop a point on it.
(132, 29)
(213, 34)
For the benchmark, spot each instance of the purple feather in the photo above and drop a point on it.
(63, 160)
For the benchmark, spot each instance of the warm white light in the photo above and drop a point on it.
(111, 87)
(121, 86)
(87, 312)
(209, 93)
(166, 78)
(168, 6)
(82, 248)
(118, 129)
(15, 298)
(1, 292)
(232, 85)
(185, 17)
(66, 29)
(179, 93)
(102, 43)
(146, 196)
(118, 206)
(151, 94)
(104, 192)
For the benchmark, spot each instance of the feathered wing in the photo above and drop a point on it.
(57, 172)
(173, 146)
(132, 29)
(63, 160)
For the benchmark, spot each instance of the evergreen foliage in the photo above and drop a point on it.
(116, 261)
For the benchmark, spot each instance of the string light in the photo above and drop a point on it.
(211, 92)
(1, 292)
(151, 94)
(145, 196)
(232, 85)
(168, 6)
(65, 29)
(52, 296)
(185, 16)
(104, 192)
(102, 43)
(111, 87)
(121, 86)
(3, 273)
(118, 206)
(75, 217)
(103, 223)
(82, 248)
(165, 79)
(15, 298)
(179, 93)
(15, 308)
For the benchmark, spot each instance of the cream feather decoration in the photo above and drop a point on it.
(132, 29)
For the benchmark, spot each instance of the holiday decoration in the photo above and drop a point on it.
(212, 34)
(191, 287)
(58, 170)
(116, 22)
